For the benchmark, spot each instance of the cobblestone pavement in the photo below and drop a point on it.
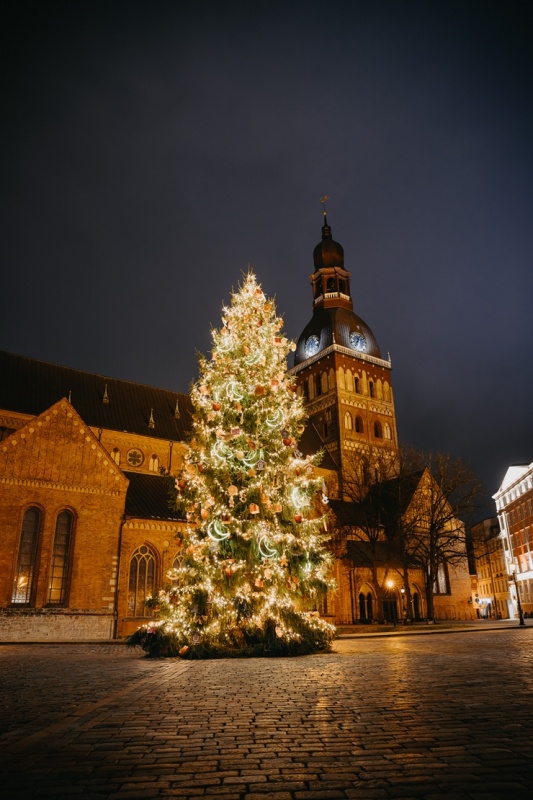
(407, 717)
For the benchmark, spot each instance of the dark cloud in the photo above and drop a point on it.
(150, 154)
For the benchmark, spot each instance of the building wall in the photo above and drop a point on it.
(457, 604)
(514, 504)
(350, 387)
(54, 463)
(492, 598)
(163, 540)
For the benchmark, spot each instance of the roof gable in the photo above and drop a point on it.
(58, 448)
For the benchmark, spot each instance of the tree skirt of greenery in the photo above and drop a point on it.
(241, 643)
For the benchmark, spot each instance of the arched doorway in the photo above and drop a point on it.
(390, 606)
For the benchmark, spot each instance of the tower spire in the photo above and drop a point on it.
(323, 200)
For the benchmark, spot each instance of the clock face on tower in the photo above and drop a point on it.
(358, 341)
(311, 346)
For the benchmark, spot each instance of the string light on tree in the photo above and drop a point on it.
(254, 561)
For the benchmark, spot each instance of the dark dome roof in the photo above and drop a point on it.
(328, 253)
(334, 325)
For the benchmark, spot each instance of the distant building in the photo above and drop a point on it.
(514, 504)
(492, 598)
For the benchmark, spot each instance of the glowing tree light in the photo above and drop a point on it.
(253, 562)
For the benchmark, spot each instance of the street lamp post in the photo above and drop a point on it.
(404, 607)
(390, 586)
(518, 603)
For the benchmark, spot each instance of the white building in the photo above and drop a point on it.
(514, 504)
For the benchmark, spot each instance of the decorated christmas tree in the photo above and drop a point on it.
(254, 564)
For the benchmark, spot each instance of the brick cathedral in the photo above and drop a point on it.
(87, 533)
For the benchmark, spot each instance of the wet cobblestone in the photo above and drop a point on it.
(412, 717)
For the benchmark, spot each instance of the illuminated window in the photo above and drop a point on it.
(115, 455)
(27, 557)
(387, 431)
(59, 571)
(358, 425)
(348, 421)
(153, 464)
(141, 583)
(441, 583)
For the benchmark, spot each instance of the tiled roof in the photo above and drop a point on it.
(148, 497)
(29, 386)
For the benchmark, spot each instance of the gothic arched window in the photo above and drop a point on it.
(153, 464)
(348, 421)
(176, 564)
(23, 586)
(141, 583)
(59, 571)
(358, 425)
(378, 431)
(371, 388)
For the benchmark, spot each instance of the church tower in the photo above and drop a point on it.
(338, 367)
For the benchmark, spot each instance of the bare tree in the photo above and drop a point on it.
(403, 511)
(445, 500)
(364, 515)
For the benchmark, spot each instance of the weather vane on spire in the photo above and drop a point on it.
(323, 201)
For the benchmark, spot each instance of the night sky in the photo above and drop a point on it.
(149, 154)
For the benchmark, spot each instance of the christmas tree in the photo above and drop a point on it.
(254, 562)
